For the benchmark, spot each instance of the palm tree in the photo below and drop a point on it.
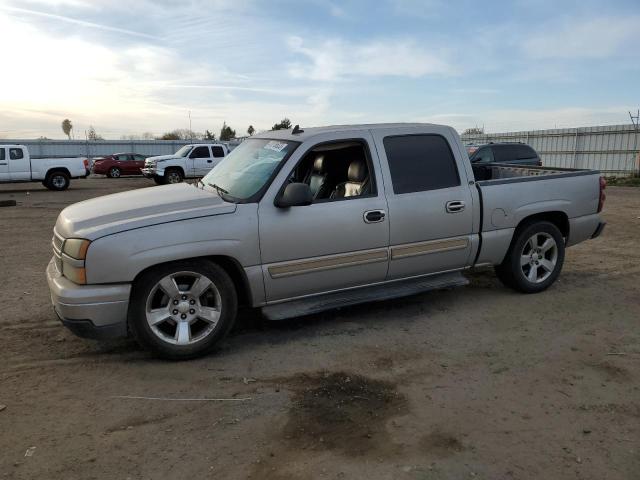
(67, 127)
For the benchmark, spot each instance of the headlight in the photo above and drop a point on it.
(76, 248)
(75, 252)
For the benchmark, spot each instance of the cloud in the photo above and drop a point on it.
(82, 23)
(336, 59)
(577, 38)
(418, 8)
(512, 120)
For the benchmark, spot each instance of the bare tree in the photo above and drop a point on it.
(67, 127)
(92, 134)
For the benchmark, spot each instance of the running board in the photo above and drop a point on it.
(387, 291)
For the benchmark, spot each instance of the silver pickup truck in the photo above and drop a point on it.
(298, 221)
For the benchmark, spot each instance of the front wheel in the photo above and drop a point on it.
(534, 259)
(114, 172)
(183, 309)
(57, 181)
(173, 175)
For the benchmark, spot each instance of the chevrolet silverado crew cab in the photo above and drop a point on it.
(294, 222)
(16, 165)
(191, 161)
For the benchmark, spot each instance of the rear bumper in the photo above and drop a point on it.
(599, 229)
(583, 228)
(89, 311)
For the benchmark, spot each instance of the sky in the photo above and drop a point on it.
(132, 66)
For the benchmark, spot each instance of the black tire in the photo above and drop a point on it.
(173, 173)
(142, 292)
(114, 172)
(57, 181)
(159, 180)
(512, 273)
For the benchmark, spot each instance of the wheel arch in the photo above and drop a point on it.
(557, 217)
(53, 170)
(174, 167)
(229, 264)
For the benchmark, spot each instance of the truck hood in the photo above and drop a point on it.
(115, 213)
(163, 157)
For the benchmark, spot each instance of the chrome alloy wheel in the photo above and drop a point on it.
(539, 257)
(115, 172)
(183, 308)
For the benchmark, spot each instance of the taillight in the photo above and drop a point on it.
(86, 163)
(603, 196)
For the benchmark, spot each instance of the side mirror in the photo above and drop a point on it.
(295, 195)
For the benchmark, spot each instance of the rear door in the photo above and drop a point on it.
(202, 160)
(218, 153)
(4, 165)
(19, 166)
(430, 201)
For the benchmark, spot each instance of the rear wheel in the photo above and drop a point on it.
(57, 181)
(534, 259)
(114, 172)
(173, 175)
(183, 309)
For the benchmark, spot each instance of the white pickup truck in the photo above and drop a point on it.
(191, 161)
(16, 165)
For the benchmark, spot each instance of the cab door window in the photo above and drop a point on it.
(200, 152)
(16, 154)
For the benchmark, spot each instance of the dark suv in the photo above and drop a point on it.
(516, 153)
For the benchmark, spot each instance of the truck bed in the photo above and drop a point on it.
(509, 193)
(501, 171)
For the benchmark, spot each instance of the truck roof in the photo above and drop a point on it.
(5, 145)
(306, 133)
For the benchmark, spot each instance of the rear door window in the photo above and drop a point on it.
(218, 151)
(420, 162)
(525, 151)
(200, 152)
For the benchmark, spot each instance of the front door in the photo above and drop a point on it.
(430, 202)
(202, 161)
(4, 165)
(19, 165)
(330, 244)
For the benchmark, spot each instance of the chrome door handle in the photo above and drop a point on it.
(374, 216)
(455, 206)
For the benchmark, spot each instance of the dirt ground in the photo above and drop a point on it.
(476, 382)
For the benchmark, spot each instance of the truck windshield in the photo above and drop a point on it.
(184, 151)
(248, 168)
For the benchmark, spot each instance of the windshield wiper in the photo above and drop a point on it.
(224, 195)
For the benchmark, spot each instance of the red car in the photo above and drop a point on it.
(119, 164)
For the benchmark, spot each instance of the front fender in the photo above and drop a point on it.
(122, 256)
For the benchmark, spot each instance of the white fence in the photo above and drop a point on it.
(90, 149)
(611, 149)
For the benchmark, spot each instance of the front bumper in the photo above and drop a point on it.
(89, 311)
(149, 172)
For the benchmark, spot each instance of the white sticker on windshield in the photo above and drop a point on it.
(275, 146)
